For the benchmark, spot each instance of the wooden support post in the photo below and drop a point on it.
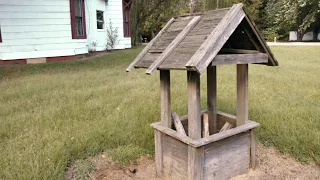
(194, 114)
(195, 163)
(195, 155)
(212, 98)
(242, 94)
(205, 119)
(253, 149)
(165, 98)
(158, 152)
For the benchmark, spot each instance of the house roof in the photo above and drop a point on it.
(195, 41)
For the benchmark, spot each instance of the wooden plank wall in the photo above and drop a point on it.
(227, 158)
(175, 158)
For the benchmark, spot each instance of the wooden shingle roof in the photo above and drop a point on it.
(195, 41)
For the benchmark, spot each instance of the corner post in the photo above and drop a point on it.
(253, 149)
(165, 106)
(195, 155)
(212, 98)
(165, 98)
(242, 94)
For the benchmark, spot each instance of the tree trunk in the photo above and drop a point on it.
(299, 36)
(315, 34)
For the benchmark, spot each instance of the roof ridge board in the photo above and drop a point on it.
(261, 40)
(149, 45)
(174, 44)
(210, 45)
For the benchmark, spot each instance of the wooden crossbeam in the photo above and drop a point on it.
(149, 45)
(240, 59)
(173, 44)
(238, 51)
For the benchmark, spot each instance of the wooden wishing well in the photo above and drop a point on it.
(205, 144)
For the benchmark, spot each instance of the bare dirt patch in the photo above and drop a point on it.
(270, 165)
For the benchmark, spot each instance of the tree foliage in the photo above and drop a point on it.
(148, 16)
(298, 15)
(273, 17)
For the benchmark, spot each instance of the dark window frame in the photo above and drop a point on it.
(73, 20)
(103, 26)
(0, 35)
(126, 6)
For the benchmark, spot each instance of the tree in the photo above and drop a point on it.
(299, 15)
(149, 16)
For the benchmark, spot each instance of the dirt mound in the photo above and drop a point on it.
(270, 165)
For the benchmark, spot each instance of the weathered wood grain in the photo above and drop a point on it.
(177, 123)
(165, 98)
(212, 98)
(197, 36)
(158, 152)
(219, 36)
(205, 120)
(224, 117)
(253, 149)
(175, 158)
(147, 60)
(224, 59)
(242, 94)
(173, 44)
(179, 24)
(225, 134)
(204, 141)
(150, 44)
(227, 158)
(225, 127)
(195, 163)
(194, 114)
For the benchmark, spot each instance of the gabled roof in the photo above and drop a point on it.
(194, 41)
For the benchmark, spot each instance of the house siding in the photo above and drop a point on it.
(37, 28)
(42, 28)
(306, 37)
(112, 11)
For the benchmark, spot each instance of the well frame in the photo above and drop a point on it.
(194, 156)
(195, 147)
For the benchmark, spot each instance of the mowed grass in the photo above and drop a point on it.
(53, 114)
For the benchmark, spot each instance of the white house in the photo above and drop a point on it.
(306, 37)
(35, 31)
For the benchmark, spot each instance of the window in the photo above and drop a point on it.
(100, 20)
(78, 19)
(126, 17)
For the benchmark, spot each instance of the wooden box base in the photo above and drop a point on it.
(217, 157)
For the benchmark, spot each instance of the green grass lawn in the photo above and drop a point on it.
(52, 114)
